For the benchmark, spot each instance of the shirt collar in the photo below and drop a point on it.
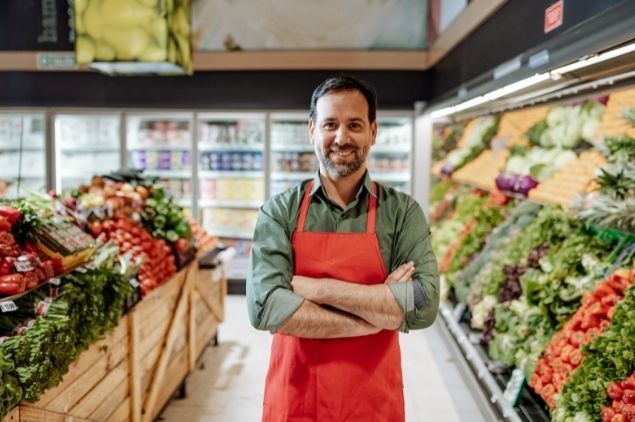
(367, 185)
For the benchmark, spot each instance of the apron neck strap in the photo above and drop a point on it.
(306, 200)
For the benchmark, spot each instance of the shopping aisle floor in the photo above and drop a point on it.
(228, 384)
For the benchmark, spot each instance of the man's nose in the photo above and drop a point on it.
(342, 135)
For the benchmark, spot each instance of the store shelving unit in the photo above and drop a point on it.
(86, 143)
(231, 179)
(160, 143)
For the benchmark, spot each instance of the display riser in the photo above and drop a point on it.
(133, 372)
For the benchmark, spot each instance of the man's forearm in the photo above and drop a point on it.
(374, 303)
(313, 321)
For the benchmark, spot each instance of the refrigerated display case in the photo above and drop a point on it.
(160, 144)
(231, 179)
(22, 153)
(293, 158)
(390, 160)
(85, 144)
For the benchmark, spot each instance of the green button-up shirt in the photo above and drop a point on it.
(402, 231)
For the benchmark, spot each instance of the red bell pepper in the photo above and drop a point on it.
(12, 284)
(11, 214)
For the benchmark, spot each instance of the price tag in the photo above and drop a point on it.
(459, 312)
(81, 270)
(134, 282)
(23, 265)
(43, 307)
(8, 306)
(55, 281)
(514, 387)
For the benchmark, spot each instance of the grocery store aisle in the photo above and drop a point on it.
(229, 381)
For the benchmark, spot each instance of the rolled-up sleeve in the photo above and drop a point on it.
(270, 300)
(419, 298)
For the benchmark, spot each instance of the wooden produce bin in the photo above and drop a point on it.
(132, 373)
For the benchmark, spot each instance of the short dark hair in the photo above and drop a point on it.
(345, 83)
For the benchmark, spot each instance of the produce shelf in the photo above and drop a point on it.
(134, 371)
(529, 408)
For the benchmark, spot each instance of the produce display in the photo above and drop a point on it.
(612, 206)
(609, 357)
(477, 139)
(543, 289)
(445, 139)
(552, 142)
(131, 30)
(563, 353)
(135, 232)
(22, 265)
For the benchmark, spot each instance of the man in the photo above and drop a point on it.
(319, 276)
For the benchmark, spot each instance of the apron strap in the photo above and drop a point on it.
(372, 207)
(304, 209)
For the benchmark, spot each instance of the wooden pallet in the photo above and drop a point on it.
(133, 372)
(613, 122)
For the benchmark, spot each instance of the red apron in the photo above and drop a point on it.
(350, 379)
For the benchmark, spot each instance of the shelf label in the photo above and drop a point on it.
(8, 306)
(55, 60)
(553, 16)
(514, 387)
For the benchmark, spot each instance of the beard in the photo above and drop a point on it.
(344, 169)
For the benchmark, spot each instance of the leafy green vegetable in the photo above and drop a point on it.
(609, 357)
(163, 218)
(89, 304)
(621, 148)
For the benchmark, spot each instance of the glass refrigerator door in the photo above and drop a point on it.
(85, 145)
(231, 180)
(292, 156)
(22, 153)
(389, 161)
(161, 145)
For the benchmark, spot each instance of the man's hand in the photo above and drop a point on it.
(307, 287)
(403, 273)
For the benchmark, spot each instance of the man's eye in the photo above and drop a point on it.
(329, 125)
(355, 126)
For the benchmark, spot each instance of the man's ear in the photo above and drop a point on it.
(311, 127)
(373, 132)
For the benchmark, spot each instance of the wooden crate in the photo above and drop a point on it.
(132, 373)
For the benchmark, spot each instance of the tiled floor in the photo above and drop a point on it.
(228, 384)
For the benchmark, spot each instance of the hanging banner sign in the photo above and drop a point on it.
(553, 16)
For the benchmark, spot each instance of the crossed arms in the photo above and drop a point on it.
(352, 309)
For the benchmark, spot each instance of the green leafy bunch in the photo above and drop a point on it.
(163, 218)
(609, 357)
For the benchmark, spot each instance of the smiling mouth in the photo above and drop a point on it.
(343, 153)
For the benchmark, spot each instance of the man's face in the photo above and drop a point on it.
(342, 135)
